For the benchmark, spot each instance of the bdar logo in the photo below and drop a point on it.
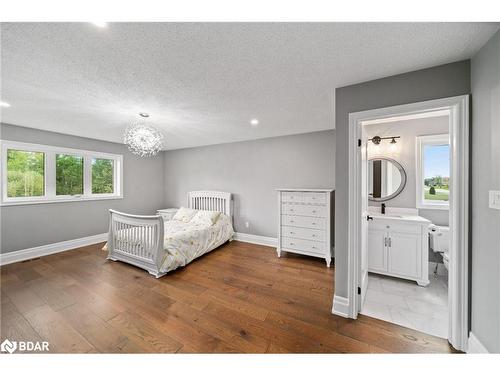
(8, 346)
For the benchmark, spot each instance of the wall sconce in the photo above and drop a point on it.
(378, 140)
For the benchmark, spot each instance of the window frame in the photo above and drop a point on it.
(50, 174)
(421, 142)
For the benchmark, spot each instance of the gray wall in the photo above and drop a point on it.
(26, 226)
(252, 170)
(433, 83)
(406, 156)
(485, 177)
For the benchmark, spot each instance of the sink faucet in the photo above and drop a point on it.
(383, 208)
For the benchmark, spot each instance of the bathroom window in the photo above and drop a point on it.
(433, 171)
(33, 173)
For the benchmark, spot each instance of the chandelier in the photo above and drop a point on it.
(143, 140)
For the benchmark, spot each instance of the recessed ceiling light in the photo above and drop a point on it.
(4, 104)
(143, 114)
(100, 24)
(254, 122)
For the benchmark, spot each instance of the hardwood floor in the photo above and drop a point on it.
(239, 298)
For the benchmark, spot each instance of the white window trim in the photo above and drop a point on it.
(50, 174)
(421, 141)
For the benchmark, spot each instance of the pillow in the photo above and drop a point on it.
(184, 214)
(205, 217)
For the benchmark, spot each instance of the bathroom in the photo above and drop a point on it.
(408, 181)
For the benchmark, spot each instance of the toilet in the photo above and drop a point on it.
(440, 241)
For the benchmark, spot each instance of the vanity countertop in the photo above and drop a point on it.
(309, 190)
(416, 219)
(399, 214)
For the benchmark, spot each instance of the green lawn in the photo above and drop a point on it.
(441, 194)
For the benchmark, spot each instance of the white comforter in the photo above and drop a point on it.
(185, 242)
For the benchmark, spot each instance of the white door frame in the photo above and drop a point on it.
(459, 207)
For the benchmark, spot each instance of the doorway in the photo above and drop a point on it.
(359, 213)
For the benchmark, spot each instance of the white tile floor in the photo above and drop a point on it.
(405, 303)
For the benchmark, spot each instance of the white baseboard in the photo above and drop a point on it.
(340, 306)
(474, 346)
(258, 240)
(39, 251)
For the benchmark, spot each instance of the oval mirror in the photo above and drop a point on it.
(386, 179)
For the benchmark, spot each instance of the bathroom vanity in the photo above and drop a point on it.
(398, 244)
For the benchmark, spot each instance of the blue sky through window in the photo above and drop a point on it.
(436, 161)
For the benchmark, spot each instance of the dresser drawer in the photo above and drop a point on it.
(292, 196)
(303, 233)
(303, 210)
(304, 245)
(303, 221)
(315, 198)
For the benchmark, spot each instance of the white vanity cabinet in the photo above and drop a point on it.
(305, 222)
(398, 246)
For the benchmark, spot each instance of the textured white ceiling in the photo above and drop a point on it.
(202, 83)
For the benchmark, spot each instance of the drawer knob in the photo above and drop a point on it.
(291, 221)
(387, 226)
(314, 235)
(292, 233)
(314, 247)
(291, 243)
(314, 211)
(291, 209)
(313, 223)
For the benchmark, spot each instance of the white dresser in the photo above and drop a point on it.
(305, 222)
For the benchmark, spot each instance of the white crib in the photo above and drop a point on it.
(139, 239)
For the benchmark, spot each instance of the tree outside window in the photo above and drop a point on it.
(69, 174)
(102, 176)
(25, 173)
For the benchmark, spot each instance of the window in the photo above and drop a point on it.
(433, 172)
(102, 176)
(69, 174)
(34, 173)
(25, 173)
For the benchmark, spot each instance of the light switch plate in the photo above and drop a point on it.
(495, 199)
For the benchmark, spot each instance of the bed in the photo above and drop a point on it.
(160, 246)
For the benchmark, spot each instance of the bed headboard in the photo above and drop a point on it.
(211, 201)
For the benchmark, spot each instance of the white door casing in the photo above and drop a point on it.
(458, 108)
(363, 281)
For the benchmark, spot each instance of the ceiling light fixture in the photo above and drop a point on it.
(4, 104)
(254, 122)
(143, 114)
(143, 140)
(100, 24)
